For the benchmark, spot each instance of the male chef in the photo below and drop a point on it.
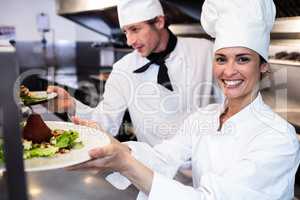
(161, 82)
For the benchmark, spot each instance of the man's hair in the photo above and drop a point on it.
(154, 20)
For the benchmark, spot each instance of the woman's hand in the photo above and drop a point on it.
(89, 123)
(115, 156)
(112, 157)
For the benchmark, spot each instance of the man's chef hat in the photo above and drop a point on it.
(239, 23)
(134, 11)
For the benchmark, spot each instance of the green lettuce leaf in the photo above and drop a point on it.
(66, 140)
(1, 152)
(40, 152)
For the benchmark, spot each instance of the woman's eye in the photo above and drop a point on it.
(243, 60)
(220, 60)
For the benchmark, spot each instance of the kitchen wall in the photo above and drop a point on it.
(22, 14)
(61, 40)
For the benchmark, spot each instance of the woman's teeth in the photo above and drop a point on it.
(232, 83)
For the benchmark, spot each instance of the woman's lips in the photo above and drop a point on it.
(232, 83)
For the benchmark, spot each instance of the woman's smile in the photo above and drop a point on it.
(232, 84)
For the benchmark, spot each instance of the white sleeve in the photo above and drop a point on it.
(110, 111)
(168, 156)
(164, 158)
(265, 172)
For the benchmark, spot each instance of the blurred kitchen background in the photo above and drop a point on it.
(74, 43)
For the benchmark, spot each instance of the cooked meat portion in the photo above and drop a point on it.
(36, 130)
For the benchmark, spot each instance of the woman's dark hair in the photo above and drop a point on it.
(262, 60)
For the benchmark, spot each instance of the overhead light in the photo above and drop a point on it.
(73, 6)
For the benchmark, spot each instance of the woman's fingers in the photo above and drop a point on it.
(113, 157)
(102, 152)
(92, 169)
(76, 120)
(98, 164)
(83, 122)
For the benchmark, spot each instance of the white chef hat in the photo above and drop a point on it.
(239, 23)
(134, 11)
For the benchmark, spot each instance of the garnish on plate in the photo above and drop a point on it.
(40, 141)
(28, 97)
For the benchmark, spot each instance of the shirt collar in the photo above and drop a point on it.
(174, 54)
(241, 119)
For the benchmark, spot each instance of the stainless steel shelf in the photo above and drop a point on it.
(285, 62)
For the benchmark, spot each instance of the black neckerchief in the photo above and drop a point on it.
(159, 59)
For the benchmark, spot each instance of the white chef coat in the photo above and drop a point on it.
(156, 112)
(255, 155)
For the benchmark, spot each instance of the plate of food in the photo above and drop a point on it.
(34, 97)
(53, 145)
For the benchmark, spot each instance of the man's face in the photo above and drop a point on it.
(143, 37)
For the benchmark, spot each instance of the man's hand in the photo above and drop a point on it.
(64, 102)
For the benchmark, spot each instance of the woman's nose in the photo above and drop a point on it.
(230, 69)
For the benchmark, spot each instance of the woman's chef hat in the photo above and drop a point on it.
(243, 23)
(134, 11)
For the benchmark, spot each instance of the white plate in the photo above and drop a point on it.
(43, 94)
(41, 97)
(90, 138)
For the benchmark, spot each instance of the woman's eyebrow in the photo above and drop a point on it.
(243, 54)
(238, 55)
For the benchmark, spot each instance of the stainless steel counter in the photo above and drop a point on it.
(64, 185)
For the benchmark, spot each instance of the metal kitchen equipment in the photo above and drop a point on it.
(101, 16)
(14, 175)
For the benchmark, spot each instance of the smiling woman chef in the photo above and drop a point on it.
(239, 150)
